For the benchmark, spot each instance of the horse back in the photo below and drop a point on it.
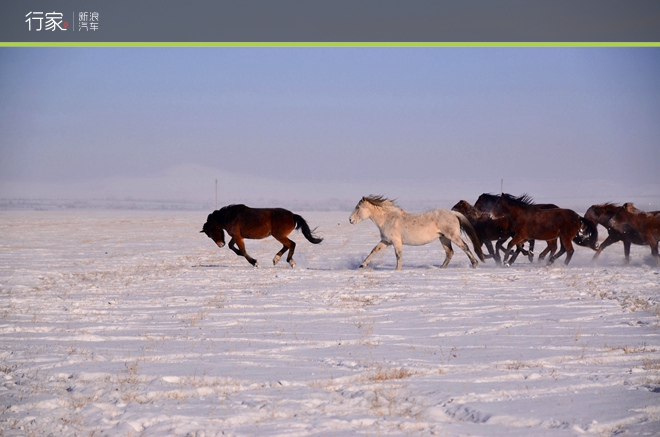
(257, 223)
(546, 224)
(643, 223)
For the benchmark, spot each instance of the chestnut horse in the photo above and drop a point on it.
(602, 214)
(532, 223)
(629, 220)
(486, 202)
(242, 222)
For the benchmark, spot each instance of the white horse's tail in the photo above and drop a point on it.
(471, 233)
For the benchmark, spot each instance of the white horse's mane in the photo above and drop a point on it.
(381, 202)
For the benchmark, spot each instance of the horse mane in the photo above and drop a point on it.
(225, 213)
(381, 202)
(608, 206)
(490, 197)
(522, 200)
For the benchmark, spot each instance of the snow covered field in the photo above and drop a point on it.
(133, 323)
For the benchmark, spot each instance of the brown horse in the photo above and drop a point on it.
(629, 221)
(532, 223)
(602, 214)
(489, 229)
(242, 222)
(486, 202)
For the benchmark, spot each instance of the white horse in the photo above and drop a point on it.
(398, 227)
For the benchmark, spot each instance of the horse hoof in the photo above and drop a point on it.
(361, 266)
(506, 264)
(276, 260)
(292, 263)
(256, 265)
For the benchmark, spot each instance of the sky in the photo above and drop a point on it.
(315, 125)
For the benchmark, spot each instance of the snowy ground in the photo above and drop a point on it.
(133, 323)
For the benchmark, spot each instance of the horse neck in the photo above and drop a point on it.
(379, 214)
(512, 210)
(606, 214)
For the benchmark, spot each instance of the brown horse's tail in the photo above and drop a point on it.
(471, 233)
(304, 227)
(587, 236)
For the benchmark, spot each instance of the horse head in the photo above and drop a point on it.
(601, 213)
(486, 202)
(360, 212)
(628, 218)
(214, 231)
(464, 207)
(500, 208)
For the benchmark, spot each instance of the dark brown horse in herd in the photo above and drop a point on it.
(242, 222)
(627, 224)
(533, 223)
(486, 202)
(519, 218)
(489, 229)
(494, 218)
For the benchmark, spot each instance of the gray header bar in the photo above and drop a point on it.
(331, 21)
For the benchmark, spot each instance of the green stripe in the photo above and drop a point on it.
(329, 44)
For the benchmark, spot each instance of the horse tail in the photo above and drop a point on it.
(471, 233)
(587, 236)
(304, 227)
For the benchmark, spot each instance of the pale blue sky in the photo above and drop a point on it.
(406, 117)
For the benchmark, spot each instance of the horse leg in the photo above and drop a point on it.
(398, 253)
(500, 246)
(565, 247)
(515, 240)
(465, 248)
(519, 250)
(491, 252)
(449, 252)
(374, 251)
(241, 246)
(569, 251)
(232, 246)
(608, 241)
(286, 245)
(626, 251)
(289, 258)
(551, 248)
(279, 254)
(530, 253)
(653, 242)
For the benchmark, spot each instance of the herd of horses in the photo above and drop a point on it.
(493, 218)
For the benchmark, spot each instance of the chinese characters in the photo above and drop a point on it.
(53, 21)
